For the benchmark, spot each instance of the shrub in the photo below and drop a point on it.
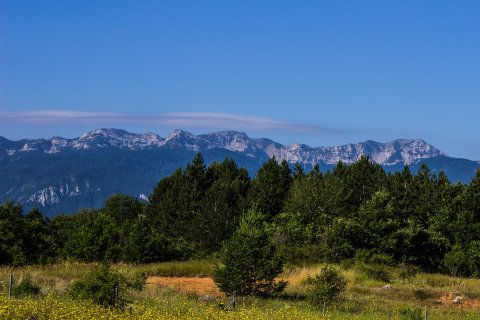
(26, 287)
(407, 272)
(422, 294)
(455, 262)
(325, 286)
(376, 272)
(105, 286)
(137, 281)
(362, 255)
(464, 261)
(381, 259)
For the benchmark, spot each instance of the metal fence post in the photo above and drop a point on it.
(10, 285)
(234, 300)
(324, 308)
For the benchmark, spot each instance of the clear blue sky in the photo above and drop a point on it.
(315, 72)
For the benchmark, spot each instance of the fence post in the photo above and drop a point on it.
(324, 308)
(234, 299)
(10, 285)
(426, 314)
(232, 303)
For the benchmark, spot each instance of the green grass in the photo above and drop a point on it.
(193, 268)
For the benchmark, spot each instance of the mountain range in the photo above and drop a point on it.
(60, 175)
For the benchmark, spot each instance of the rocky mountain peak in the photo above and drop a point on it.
(183, 139)
(230, 140)
(117, 138)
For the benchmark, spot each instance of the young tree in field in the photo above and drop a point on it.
(249, 260)
(325, 286)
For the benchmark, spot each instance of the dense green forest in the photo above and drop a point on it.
(356, 212)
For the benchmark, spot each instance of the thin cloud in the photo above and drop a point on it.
(208, 120)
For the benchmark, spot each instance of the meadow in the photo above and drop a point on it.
(366, 297)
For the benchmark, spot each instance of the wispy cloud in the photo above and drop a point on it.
(207, 120)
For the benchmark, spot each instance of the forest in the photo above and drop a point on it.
(353, 213)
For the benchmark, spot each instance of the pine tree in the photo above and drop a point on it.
(249, 259)
(222, 204)
(298, 171)
(270, 187)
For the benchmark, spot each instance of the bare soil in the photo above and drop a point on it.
(189, 285)
(447, 300)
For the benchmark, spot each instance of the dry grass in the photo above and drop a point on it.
(189, 285)
(191, 268)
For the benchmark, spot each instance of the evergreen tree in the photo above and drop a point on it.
(304, 214)
(93, 238)
(39, 239)
(168, 205)
(222, 204)
(360, 181)
(378, 223)
(463, 259)
(249, 259)
(145, 244)
(62, 227)
(298, 171)
(340, 239)
(12, 231)
(402, 190)
(270, 187)
(122, 211)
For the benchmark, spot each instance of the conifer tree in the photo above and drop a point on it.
(270, 187)
(250, 262)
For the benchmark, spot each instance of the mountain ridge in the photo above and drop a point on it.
(412, 149)
(64, 175)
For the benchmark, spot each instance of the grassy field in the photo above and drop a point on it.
(365, 297)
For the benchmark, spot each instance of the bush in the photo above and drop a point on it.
(105, 286)
(455, 262)
(422, 294)
(407, 272)
(26, 287)
(362, 255)
(382, 259)
(376, 272)
(464, 261)
(326, 286)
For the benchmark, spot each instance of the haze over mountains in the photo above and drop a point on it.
(64, 175)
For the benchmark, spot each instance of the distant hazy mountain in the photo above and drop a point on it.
(64, 175)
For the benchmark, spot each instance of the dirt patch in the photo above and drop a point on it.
(447, 299)
(190, 285)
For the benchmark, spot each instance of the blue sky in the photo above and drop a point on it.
(315, 72)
